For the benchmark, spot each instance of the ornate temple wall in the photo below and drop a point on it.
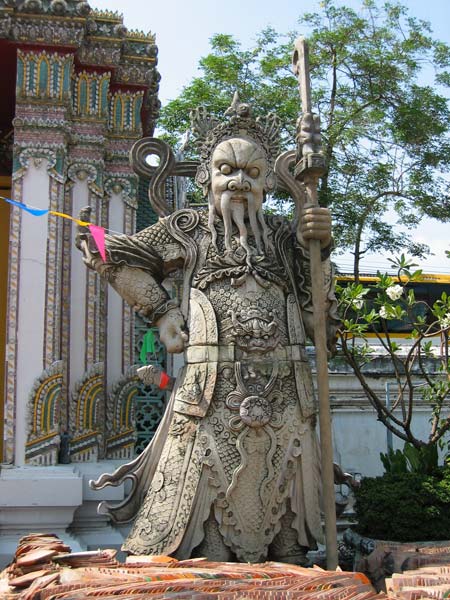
(80, 102)
(5, 189)
(86, 89)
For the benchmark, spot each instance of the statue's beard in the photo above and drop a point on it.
(233, 212)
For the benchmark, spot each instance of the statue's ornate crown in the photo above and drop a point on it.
(209, 132)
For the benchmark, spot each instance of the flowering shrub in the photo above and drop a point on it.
(370, 309)
(394, 292)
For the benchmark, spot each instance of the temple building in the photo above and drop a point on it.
(78, 89)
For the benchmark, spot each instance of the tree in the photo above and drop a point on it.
(385, 131)
(420, 370)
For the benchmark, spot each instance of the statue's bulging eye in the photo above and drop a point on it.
(225, 169)
(254, 172)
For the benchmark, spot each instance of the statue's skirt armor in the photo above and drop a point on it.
(233, 470)
(241, 447)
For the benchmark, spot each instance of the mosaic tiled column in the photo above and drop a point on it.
(26, 350)
(121, 381)
(122, 218)
(87, 331)
(115, 304)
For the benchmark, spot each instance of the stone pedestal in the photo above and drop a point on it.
(35, 499)
(92, 530)
(57, 500)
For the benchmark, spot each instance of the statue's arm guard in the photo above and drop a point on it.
(303, 277)
(135, 267)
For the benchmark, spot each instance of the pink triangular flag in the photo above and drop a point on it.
(98, 233)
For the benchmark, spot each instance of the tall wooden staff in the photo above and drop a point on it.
(309, 168)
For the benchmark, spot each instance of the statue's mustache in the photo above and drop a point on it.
(235, 205)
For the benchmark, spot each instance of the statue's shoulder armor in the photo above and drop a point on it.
(156, 235)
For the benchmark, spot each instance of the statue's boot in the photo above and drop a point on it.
(285, 547)
(213, 547)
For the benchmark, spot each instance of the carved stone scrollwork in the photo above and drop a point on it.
(139, 155)
(285, 178)
(255, 410)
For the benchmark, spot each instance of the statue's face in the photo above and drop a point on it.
(238, 174)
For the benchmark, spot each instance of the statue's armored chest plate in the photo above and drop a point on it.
(249, 316)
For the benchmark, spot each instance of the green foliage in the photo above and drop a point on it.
(374, 309)
(422, 460)
(405, 507)
(394, 462)
(262, 75)
(385, 132)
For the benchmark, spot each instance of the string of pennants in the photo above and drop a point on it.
(98, 235)
(97, 232)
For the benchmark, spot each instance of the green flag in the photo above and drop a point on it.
(148, 346)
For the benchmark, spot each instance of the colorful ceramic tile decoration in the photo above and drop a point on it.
(81, 89)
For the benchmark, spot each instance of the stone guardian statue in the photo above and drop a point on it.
(233, 470)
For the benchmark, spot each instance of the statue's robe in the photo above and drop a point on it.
(237, 443)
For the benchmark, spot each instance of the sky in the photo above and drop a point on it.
(183, 29)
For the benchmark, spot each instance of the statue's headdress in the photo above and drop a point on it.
(209, 132)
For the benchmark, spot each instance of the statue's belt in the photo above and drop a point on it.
(231, 353)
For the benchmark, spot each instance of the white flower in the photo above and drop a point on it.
(383, 312)
(394, 292)
(358, 303)
(445, 321)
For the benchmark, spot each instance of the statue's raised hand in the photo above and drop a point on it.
(83, 237)
(83, 234)
(91, 256)
(172, 331)
(315, 224)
